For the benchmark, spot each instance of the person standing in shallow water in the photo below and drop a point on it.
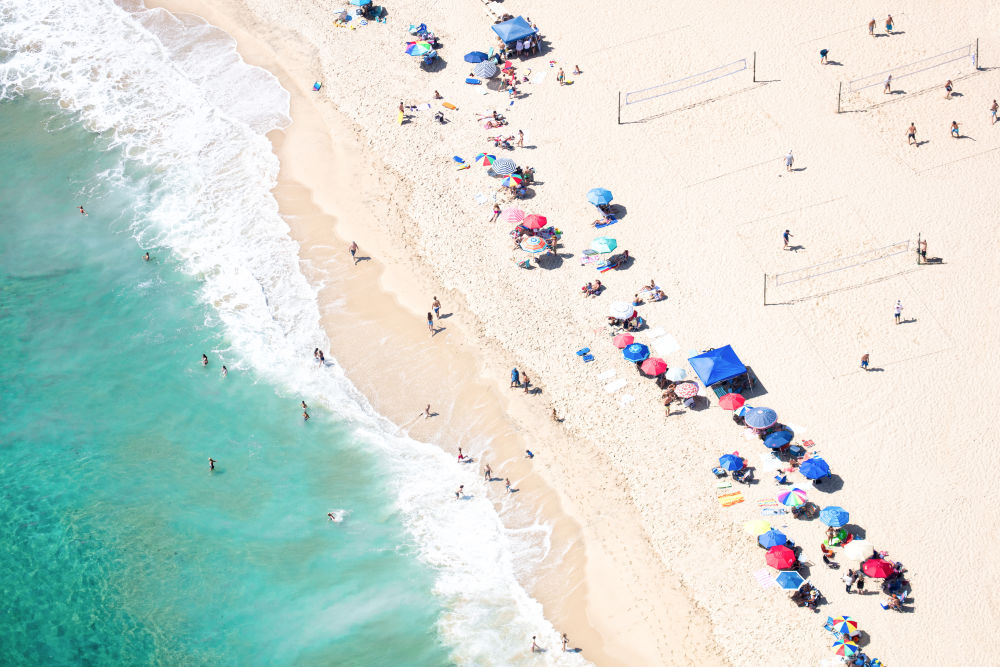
(204, 360)
(211, 463)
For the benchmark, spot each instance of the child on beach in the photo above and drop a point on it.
(430, 323)
(954, 130)
(864, 361)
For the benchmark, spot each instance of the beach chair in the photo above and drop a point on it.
(719, 472)
(526, 264)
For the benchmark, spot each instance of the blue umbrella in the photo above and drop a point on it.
(772, 538)
(471, 56)
(790, 580)
(599, 196)
(731, 462)
(361, 3)
(760, 417)
(779, 439)
(834, 516)
(815, 468)
(636, 352)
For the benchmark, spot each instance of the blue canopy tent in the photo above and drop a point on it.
(513, 30)
(717, 365)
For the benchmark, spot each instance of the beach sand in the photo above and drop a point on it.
(647, 567)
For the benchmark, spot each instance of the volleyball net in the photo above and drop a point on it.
(914, 68)
(841, 273)
(686, 83)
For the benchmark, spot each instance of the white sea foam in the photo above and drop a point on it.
(175, 97)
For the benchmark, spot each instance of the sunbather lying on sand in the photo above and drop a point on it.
(493, 124)
(601, 221)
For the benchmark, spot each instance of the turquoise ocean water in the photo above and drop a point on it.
(117, 545)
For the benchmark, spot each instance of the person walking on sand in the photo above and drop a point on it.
(561, 77)
(515, 378)
(506, 483)
(211, 464)
(888, 24)
(430, 323)
(565, 641)
(520, 138)
(526, 382)
(823, 53)
(871, 27)
(496, 212)
(534, 647)
(427, 411)
(353, 248)
(848, 580)
(922, 250)
(911, 135)
(948, 87)
(864, 361)
(954, 130)
(789, 160)
(888, 85)
(487, 473)
(993, 112)
(436, 305)
(898, 310)
(787, 235)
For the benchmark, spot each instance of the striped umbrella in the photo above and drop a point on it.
(686, 389)
(731, 402)
(760, 417)
(621, 310)
(533, 244)
(511, 215)
(503, 166)
(621, 341)
(792, 498)
(514, 180)
(654, 366)
(534, 221)
(486, 69)
(486, 160)
(676, 374)
(834, 516)
(846, 649)
(845, 625)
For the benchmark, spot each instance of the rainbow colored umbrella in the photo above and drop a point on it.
(513, 179)
(780, 557)
(486, 160)
(621, 341)
(731, 402)
(845, 625)
(534, 221)
(654, 366)
(511, 215)
(846, 649)
(792, 498)
(418, 48)
(686, 389)
(533, 244)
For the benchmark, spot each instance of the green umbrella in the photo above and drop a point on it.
(604, 244)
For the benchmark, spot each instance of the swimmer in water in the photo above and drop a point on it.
(145, 257)
(82, 212)
(225, 371)
(305, 416)
(304, 406)
(333, 517)
(211, 464)
(204, 360)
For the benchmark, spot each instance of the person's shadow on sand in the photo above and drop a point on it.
(437, 330)
(361, 259)
(796, 248)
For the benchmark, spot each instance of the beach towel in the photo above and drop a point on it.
(612, 387)
(772, 511)
(588, 357)
(730, 499)
(764, 578)
(582, 352)
(665, 345)
(590, 259)
(625, 399)
(606, 375)
(808, 443)
(723, 485)
(426, 106)
(611, 220)
(655, 333)
(480, 198)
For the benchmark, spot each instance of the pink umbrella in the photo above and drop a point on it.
(731, 402)
(511, 215)
(780, 557)
(534, 222)
(686, 389)
(877, 568)
(621, 341)
(654, 366)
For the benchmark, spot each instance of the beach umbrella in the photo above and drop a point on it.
(845, 625)
(418, 48)
(732, 463)
(878, 568)
(599, 196)
(485, 159)
(756, 527)
(790, 580)
(508, 65)
(676, 374)
(760, 417)
(533, 244)
(772, 538)
(636, 352)
(778, 439)
(472, 56)
(686, 390)
(792, 498)
(511, 215)
(780, 557)
(654, 366)
(534, 221)
(743, 410)
(503, 166)
(514, 179)
(846, 649)
(603, 244)
(859, 549)
(621, 310)
(486, 69)
(731, 402)
(834, 516)
(814, 468)
(361, 3)
(621, 341)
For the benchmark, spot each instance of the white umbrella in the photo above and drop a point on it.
(621, 310)
(503, 166)
(676, 374)
(858, 549)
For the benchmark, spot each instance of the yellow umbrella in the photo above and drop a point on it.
(756, 527)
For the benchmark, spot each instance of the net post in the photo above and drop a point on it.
(918, 247)
(840, 89)
(755, 65)
(619, 107)
(977, 54)
(765, 289)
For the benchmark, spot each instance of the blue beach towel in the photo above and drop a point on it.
(588, 357)
(611, 220)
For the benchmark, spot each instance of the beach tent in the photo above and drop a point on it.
(513, 30)
(717, 365)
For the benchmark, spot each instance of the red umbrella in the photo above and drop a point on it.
(622, 341)
(534, 222)
(686, 389)
(877, 567)
(780, 557)
(731, 402)
(654, 366)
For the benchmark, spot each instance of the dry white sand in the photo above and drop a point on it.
(707, 198)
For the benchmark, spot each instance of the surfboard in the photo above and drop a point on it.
(458, 159)
(448, 105)
(474, 82)
(399, 118)
(464, 166)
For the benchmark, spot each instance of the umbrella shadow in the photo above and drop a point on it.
(549, 261)
(857, 531)
(831, 484)
(862, 639)
(618, 211)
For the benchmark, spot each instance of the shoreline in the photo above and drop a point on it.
(632, 610)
